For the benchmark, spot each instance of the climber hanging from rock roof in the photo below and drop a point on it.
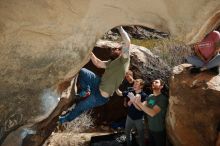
(95, 90)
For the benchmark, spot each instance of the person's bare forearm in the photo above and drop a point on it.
(126, 41)
(146, 109)
(137, 107)
(130, 103)
(97, 62)
(124, 35)
(118, 92)
(94, 59)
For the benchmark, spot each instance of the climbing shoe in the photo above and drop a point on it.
(215, 70)
(61, 120)
(195, 70)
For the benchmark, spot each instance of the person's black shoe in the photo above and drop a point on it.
(77, 98)
(60, 127)
(195, 70)
(215, 70)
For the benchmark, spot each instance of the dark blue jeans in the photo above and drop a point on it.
(86, 77)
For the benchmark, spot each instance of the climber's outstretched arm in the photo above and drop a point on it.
(126, 42)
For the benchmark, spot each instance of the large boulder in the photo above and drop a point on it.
(194, 110)
(44, 41)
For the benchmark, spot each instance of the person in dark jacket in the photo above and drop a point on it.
(135, 117)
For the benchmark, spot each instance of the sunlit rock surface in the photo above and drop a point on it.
(194, 109)
(43, 41)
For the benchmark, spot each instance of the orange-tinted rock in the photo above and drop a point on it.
(194, 107)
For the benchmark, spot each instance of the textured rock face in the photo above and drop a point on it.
(41, 41)
(142, 62)
(194, 109)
